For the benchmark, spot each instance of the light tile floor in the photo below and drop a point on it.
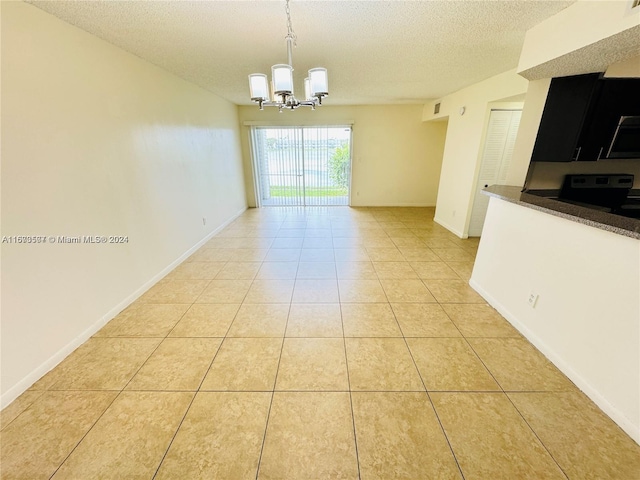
(313, 344)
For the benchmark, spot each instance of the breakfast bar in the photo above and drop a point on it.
(568, 278)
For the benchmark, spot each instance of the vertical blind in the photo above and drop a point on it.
(302, 165)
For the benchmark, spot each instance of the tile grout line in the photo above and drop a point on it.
(116, 397)
(210, 364)
(282, 347)
(435, 411)
(87, 433)
(164, 455)
(536, 434)
(516, 408)
(6, 425)
(346, 361)
(275, 380)
(421, 390)
(344, 342)
(120, 392)
(195, 393)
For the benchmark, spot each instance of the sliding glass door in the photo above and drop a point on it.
(302, 165)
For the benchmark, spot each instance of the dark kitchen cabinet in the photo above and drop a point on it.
(618, 97)
(570, 105)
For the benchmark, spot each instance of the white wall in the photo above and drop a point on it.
(587, 317)
(629, 68)
(396, 157)
(463, 144)
(96, 141)
(585, 37)
(529, 123)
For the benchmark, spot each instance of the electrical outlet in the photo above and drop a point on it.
(204, 220)
(453, 214)
(533, 299)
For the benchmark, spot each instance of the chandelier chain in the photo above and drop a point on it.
(290, 33)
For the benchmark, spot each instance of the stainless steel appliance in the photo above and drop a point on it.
(626, 140)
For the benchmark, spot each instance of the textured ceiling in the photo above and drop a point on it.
(375, 51)
(595, 57)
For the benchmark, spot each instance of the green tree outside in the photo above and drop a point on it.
(271, 143)
(339, 166)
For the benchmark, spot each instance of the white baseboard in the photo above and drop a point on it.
(20, 387)
(395, 204)
(614, 413)
(453, 230)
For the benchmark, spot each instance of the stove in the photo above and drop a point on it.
(605, 192)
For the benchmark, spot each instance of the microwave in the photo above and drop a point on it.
(626, 140)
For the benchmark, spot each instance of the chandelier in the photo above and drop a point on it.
(315, 85)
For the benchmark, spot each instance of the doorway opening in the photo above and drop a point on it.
(302, 166)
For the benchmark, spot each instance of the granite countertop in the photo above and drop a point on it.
(629, 227)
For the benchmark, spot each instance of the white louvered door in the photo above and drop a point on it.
(496, 159)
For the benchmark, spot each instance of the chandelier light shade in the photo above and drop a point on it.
(316, 85)
(282, 75)
(307, 89)
(259, 87)
(319, 82)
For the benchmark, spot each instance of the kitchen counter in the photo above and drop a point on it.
(542, 201)
(586, 285)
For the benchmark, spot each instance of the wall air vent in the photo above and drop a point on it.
(436, 108)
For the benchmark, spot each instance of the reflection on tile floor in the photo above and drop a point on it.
(314, 343)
